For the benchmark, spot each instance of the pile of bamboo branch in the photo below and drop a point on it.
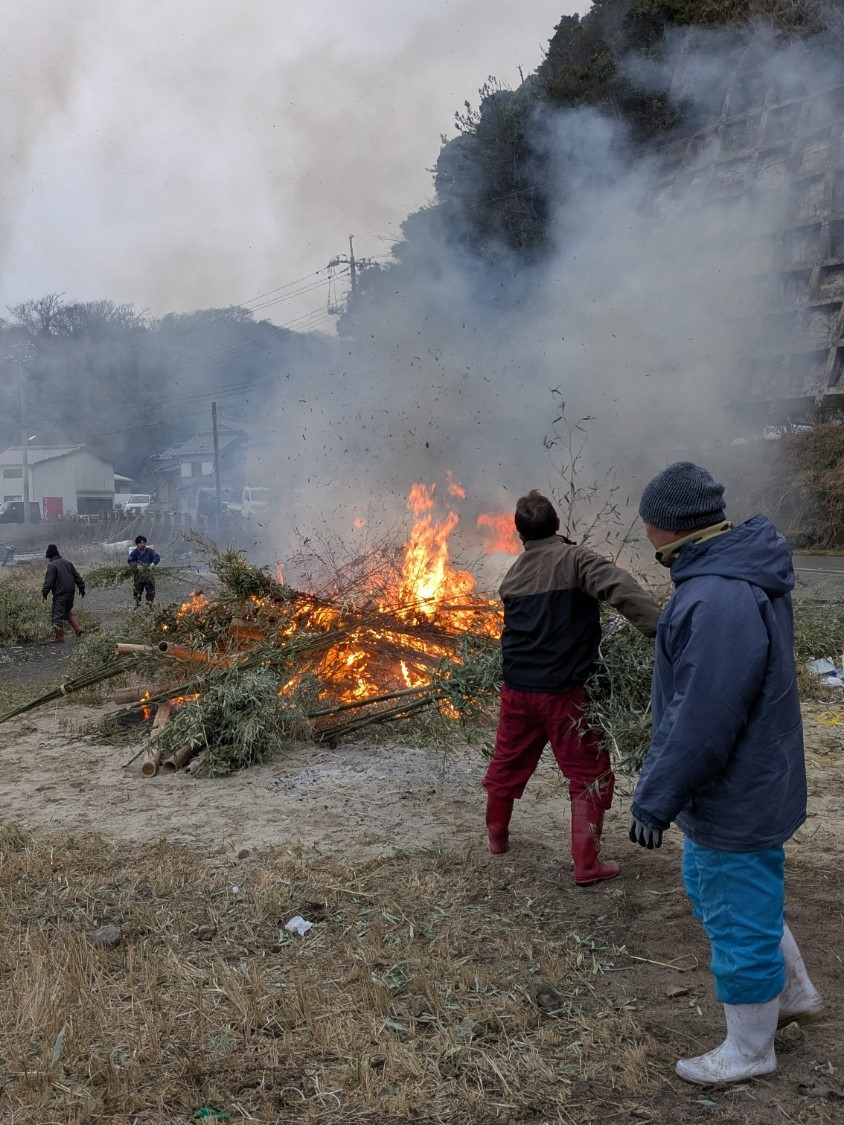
(226, 680)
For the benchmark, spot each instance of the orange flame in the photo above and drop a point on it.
(427, 578)
(376, 641)
(194, 604)
(499, 534)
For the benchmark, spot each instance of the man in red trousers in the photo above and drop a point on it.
(550, 641)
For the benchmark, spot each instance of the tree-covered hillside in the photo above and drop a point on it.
(492, 178)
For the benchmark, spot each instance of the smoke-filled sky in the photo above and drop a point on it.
(639, 318)
(194, 155)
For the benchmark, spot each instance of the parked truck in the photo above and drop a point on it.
(255, 501)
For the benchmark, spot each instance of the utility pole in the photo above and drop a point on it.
(217, 467)
(24, 444)
(356, 266)
(352, 263)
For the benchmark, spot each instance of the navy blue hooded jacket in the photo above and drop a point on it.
(726, 756)
(144, 556)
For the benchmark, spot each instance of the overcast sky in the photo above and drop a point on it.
(190, 155)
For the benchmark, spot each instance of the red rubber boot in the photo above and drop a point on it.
(58, 634)
(498, 813)
(587, 822)
(74, 624)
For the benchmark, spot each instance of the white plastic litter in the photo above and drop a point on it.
(825, 668)
(298, 925)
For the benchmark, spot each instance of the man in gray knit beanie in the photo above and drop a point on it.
(683, 497)
(725, 763)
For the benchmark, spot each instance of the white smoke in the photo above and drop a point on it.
(639, 320)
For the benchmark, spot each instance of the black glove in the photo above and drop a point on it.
(647, 837)
(82, 593)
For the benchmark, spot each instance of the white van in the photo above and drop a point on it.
(256, 500)
(137, 503)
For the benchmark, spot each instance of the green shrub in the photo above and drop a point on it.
(24, 619)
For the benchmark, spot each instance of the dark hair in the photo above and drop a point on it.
(140, 539)
(536, 516)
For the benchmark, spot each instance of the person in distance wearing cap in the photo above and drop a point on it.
(726, 759)
(62, 580)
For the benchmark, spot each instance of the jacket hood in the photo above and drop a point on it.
(752, 552)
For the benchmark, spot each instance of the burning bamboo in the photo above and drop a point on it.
(162, 715)
(182, 652)
(137, 694)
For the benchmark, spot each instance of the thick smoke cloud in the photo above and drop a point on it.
(638, 319)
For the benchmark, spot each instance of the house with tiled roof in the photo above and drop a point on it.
(65, 480)
(183, 471)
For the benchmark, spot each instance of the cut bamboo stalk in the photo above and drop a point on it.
(178, 760)
(182, 652)
(183, 756)
(123, 649)
(162, 715)
(134, 694)
(150, 766)
(240, 628)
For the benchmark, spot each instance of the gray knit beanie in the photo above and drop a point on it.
(682, 497)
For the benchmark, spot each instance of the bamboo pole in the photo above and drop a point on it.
(134, 694)
(179, 759)
(243, 629)
(162, 715)
(117, 668)
(123, 649)
(150, 766)
(182, 652)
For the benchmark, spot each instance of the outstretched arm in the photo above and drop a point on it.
(607, 582)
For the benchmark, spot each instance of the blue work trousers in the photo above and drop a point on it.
(739, 897)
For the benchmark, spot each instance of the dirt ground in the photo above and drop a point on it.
(358, 802)
(361, 801)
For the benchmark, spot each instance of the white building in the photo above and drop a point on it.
(66, 480)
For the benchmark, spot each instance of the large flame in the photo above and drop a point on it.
(392, 631)
(427, 578)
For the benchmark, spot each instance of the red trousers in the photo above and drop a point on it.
(527, 722)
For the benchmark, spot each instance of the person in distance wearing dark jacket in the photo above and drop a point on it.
(726, 759)
(549, 645)
(62, 580)
(143, 556)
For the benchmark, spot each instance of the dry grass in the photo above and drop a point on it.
(413, 998)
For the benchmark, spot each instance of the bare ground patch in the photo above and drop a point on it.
(438, 984)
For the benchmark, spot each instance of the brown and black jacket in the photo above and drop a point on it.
(552, 625)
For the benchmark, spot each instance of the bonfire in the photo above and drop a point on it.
(396, 633)
(227, 678)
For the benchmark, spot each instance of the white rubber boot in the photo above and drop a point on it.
(799, 1001)
(747, 1052)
